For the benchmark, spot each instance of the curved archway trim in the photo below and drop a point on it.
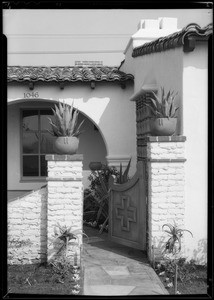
(67, 101)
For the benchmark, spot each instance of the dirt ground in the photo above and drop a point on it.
(196, 283)
(44, 279)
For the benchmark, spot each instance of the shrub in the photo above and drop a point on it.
(96, 198)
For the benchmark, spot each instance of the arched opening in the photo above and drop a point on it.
(91, 145)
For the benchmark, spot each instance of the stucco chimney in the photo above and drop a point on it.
(150, 29)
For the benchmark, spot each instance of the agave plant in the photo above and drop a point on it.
(65, 123)
(170, 246)
(123, 177)
(66, 234)
(176, 234)
(164, 106)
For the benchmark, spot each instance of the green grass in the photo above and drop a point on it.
(192, 278)
(44, 279)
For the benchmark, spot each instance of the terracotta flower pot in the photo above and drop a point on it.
(95, 165)
(66, 144)
(163, 126)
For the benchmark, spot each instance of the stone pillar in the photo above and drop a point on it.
(65, 201)
(166, 180)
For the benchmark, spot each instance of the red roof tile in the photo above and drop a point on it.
(71, 74)
(174, 40)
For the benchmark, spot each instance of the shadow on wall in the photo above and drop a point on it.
(200, 254)
(27, 228)
(91, 144)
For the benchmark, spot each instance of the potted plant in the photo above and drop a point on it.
(164, 120)
(95, 165)
(65, 128)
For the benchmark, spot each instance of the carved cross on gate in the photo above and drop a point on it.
(125, 213)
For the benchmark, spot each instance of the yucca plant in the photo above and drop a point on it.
(164, 106)
(175, 238)
(65, 123)
(66, 234)
(171, 246)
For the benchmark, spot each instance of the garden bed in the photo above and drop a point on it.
(45, 279)
(192, 278)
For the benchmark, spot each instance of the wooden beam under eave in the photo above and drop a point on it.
(31, 85)
(189, 44)
(61, 85)
(93, 84)
(123, 85)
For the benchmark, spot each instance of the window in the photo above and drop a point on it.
(36, 142)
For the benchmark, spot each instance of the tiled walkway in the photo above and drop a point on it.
(112, 269)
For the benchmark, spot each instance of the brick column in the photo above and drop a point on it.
(65, 200)
(166, 179)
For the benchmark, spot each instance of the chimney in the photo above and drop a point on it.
(149, 30)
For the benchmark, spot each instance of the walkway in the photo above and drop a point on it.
(112, 269)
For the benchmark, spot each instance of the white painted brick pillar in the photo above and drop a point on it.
(166, 179)
(65, 200)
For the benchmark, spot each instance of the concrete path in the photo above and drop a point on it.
(112, 269)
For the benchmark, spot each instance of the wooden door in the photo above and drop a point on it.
(127, 211)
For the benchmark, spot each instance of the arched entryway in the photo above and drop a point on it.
(26, 163)
(91, 145)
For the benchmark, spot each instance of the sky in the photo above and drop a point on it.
(121, 21)
(103, 33)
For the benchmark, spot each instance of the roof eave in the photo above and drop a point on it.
(66, 74)
(187, 38)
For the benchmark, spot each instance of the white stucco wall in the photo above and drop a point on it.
(195, 122)
(108, 106)
(159, 69)
(187, 74)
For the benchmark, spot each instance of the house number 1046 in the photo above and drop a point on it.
(31, 95)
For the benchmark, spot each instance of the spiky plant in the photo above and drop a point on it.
(66, 234)
(123, 177)
(164, 106)
(176, 234)
(65, 123)
(170, 246)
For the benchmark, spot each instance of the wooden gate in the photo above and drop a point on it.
(127, 210)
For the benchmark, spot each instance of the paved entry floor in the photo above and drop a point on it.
(112, 269)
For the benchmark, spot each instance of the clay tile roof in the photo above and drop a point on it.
(191, 32)
(72, 74)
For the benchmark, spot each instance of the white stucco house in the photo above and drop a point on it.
(158, 54)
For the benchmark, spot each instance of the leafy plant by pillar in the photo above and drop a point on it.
(175, 238)
(173, 246)
(67, 236)
(99, 194)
